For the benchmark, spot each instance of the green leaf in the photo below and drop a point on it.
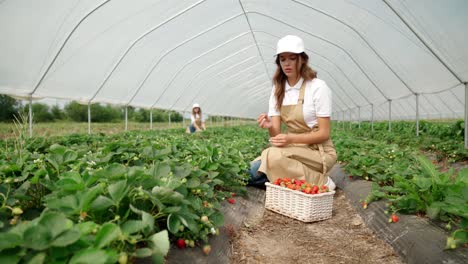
(173, 223)
(160, 170)
(113, 171)
(108, 233)
(8, 258)
(143, 252)
(423, 183)
(38, 258)
(171, 209)
(89, 196)
(38, 237)
(189, 222)
(428, 167)
(148, 221)
(160, 245)
(86, 227)
(67, 238)
(9, 240)
(433, 210)
(90, 255)
(193, 183)
(217, 219)
(56, 223)
(118, 190)
(132, 226)
(182, 171)
(69, 156)
(101, 203)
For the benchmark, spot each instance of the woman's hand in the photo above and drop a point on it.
(280, 140)
(263, 121)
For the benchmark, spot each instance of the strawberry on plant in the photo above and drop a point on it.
(17, 211)
(180, 243)
(206, 249)
(204, 219)
(123, 258)
(364, 205)
(451, 243)
(231, 201)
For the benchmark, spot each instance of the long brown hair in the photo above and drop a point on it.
(199, 112)
(279, 79)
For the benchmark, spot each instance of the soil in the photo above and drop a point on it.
(270, 237)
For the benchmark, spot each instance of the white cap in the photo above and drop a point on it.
(195, 105)
(290, 43)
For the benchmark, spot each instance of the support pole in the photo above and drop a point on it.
(466, 115)
(126, 118)
(183, 118)
(372, 117)
(343, 120)
(417, 115)
(151, 119)
(359, 117)
(389, 115)
(89, 118)
(350, 119)
(30, 117)
(169, 119)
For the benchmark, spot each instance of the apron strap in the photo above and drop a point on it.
(300, 100)
(322, 155)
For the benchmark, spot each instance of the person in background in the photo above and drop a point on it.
(304, 104)
(197, 123)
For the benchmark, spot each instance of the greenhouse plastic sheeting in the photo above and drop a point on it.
(375, 55)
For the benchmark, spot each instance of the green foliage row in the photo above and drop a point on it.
(102, 199)
(396, 163)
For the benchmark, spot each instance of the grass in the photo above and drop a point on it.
(7, 130)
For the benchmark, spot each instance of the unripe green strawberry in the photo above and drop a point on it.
(17, 211)
(123, 258)
(191, 243)
(451, 243)
(204, 219)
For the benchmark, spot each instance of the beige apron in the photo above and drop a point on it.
(198, 121)
(298, 161)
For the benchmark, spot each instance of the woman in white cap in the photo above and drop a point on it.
(303, 103)
(197, 123)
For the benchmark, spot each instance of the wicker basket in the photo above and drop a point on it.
(298, 205)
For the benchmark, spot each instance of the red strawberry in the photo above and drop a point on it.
(233, 195)
(350, 177)
(315, 189)
(395, 218)
(180, 243)
(231, 201)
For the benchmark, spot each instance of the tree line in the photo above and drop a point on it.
(74, 111)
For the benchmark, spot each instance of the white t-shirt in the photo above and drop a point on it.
(198, 115)
(317, 100)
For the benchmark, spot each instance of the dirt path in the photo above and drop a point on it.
(273, 238)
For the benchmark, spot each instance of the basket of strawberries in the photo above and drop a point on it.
(299, 200)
